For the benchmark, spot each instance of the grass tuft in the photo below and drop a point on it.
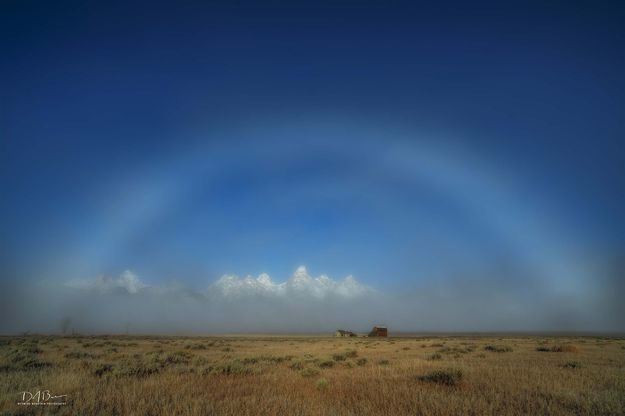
(322, 384)
(309, 372)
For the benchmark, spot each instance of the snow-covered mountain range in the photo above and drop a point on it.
(300, 284)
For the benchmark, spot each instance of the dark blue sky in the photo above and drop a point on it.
(404, 143)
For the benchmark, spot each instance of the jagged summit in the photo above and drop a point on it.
(300, 283)
(301, 271)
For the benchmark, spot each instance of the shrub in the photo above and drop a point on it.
(498, 348)
(277, 360)
(572, 364)
(32, 349)
(296, 365)
(138, 368)
(23, 360)
(235, 367)
(339, 357)
(558, 348)
(361, 361)
(326, 364)
(197, 346)
(199, 361)
(184, 369)
(435, 356)
(102, 369)
(351, 354)
(457, 350)
(564, 348)
(322, 384)
(448, 377)
(176, 357)
(309, 372)
(384, 362)
(32, 363)
(78, 355)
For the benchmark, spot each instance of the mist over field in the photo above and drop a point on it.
(463, 163)
(300, 304)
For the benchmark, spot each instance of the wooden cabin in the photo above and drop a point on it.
(379, 331)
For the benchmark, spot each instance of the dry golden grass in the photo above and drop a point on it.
(455, 375)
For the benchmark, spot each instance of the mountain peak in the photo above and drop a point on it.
(264, 279)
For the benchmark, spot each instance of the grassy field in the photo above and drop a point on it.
(267, 375)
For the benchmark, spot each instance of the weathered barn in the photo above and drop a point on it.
(379, 331)
(344, 333)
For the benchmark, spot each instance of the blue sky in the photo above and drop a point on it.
(417, 147)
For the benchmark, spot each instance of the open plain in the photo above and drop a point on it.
(312, 375)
